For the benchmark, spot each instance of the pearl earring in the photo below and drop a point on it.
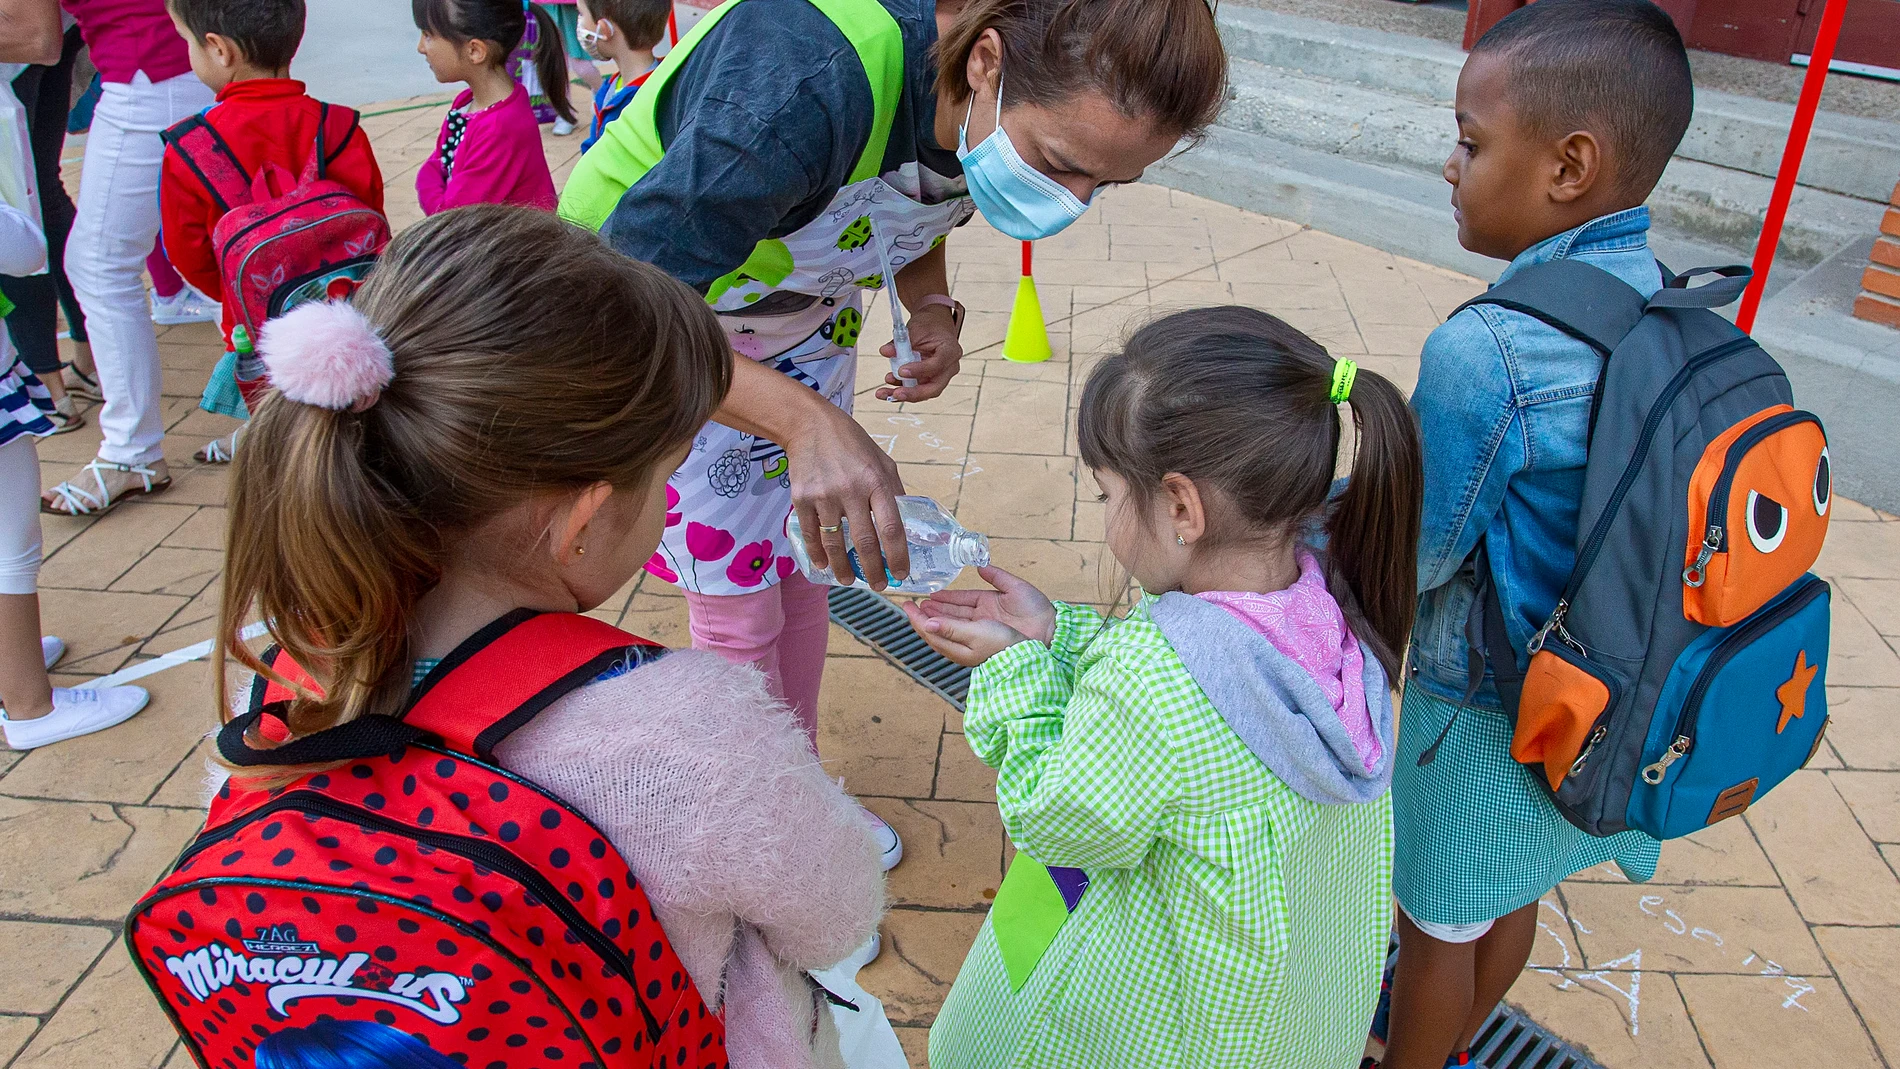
(580, 551)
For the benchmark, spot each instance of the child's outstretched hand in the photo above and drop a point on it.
(971, 626)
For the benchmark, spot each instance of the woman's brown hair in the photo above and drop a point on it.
(1156, 59)
(529, 358)
(1241, 403)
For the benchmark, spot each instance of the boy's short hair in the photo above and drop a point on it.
(1614, 67)
(643, 21)
(268, 31)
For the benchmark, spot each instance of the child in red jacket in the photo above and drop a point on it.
(242, 49)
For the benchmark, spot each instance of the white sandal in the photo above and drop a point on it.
(220, 450)
(82, 502)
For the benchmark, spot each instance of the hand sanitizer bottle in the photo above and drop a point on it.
(939, 549)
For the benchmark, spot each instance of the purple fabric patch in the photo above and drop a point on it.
(1071, 883)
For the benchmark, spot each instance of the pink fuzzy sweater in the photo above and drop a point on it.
(757, 865)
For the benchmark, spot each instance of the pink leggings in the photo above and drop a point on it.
(782, 629)
(165, 279)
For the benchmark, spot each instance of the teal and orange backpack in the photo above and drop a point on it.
(1683, 673)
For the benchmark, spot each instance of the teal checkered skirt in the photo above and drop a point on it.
(1476, 835)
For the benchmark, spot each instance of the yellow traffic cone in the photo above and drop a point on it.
(1027, 340)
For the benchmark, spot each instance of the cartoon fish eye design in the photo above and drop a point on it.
(1767, 522)
(1823, 484)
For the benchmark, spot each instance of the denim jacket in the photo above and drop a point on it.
(1503, 403)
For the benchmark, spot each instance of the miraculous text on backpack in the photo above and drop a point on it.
(283, 239)
(1682, 674)
(417, 900)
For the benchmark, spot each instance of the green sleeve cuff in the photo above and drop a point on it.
(1076, 627)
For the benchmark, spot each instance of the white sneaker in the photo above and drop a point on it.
(862, 956)
(76, 712)
(887, 840)
(185, 306)
(52, 649)
(562, 127)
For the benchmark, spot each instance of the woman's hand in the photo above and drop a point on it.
(838, 473)
(934, 338)
(841, 479)
(971, 626)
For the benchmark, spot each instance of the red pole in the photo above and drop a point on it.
(1804, 109)
(1027, 245)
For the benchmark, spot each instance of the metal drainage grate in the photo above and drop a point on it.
(1508, 1040)
(875, 621)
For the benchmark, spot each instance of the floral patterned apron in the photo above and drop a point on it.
(727, 505)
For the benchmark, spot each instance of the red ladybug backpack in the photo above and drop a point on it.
(418, 905)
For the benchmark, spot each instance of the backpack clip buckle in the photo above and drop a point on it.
(1555, 625)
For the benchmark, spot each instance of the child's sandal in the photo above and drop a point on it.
(80, 384)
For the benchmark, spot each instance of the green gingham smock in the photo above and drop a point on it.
(1228, 921)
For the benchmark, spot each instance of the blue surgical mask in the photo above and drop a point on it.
(1014, 197)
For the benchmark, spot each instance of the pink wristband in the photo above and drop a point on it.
(942, 300)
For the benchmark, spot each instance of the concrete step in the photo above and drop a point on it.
(1401, 127)
(1402, 210)
(1846, 154)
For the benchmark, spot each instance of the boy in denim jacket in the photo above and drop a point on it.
(1567, 112)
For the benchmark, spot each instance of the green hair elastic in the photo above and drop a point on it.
(1344, 373)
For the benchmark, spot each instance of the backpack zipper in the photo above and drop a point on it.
(1715, 540)
(281, 212)
(1804, 593)
(1586, 558)
(480, 851)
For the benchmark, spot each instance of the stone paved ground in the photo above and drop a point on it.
(1772, 940)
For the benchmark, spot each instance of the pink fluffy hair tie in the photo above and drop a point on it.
(326, 354)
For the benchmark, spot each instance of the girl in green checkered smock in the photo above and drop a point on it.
(1198, 792)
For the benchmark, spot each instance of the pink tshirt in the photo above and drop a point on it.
(129, 36)
(1305, 623)
(499, 159)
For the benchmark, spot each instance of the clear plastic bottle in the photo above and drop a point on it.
(939, 549)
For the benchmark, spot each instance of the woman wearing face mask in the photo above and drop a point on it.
(789, 154)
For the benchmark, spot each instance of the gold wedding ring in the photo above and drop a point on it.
(831, 530)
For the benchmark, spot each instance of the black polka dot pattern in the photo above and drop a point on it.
(292, 893)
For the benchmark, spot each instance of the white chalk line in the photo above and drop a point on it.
(197, 651)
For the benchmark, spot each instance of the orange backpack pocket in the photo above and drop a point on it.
(1561, 712)
(1758, 504)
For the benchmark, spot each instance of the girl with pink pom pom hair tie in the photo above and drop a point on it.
(419, 482)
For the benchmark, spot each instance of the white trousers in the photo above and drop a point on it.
(105, 256)
(19, 517)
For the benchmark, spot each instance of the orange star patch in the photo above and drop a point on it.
(1794, 693)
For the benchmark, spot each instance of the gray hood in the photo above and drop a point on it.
(1274, 705)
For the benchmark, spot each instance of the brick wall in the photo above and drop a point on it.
(1879, 299)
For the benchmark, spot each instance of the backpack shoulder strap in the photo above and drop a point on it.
(1585, 302)
(336, 125)
(496, 682)
(490, 687)
(204, 150)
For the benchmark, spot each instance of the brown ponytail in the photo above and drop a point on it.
(1241, 403)
(1156, 59)
(529, 358)
(1372, 529)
